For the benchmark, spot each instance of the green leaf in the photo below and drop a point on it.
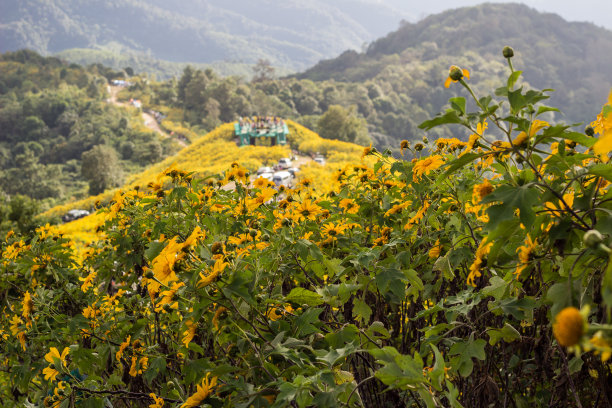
(581, 139)
(362, 311)
(307, 322)
(154, 248)
(516, 99)
(465, 352)
(332, 356)
(458, 104)
(158, 365)
(522, 198)
(456, 164)
(391, 284)
(303, 296)
(507, 334)
(513, 78)
(544, 109)
(602, 170)
(449, 117)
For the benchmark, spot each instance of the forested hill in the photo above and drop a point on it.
(573, 58)
(290, 33)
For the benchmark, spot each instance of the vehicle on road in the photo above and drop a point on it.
(282, 178)
(74, 215)
(284, 163)
(293, 171)
(320, 160)
(265, 169)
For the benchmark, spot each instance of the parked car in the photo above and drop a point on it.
(263, 170)
(74, 215)
(268, 176)
(282, 178)
(293, 171)
(320, 160)
(284, 163)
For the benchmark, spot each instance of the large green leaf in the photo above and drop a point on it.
(303, 296)
(508, 199)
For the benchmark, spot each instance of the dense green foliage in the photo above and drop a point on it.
(50, 114)
(395, 85)
(572, 58)
(462, 278)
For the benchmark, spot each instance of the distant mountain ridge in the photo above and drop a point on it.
(573, 58)
(290, 33)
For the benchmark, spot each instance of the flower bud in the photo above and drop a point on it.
(149, 274)
(455, 73)
(508, 52)
(592, 238)
(589, 131)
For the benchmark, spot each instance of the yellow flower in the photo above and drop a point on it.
(524, 252)
(28, 307)
(569, 327)
(167, 296)
(481, 191)
(217, 269)
(50, 373)
(601, 346)
(435, 251)
(307, 210)
(366, 151)
(418, 216)
(138, 366)
(88, 281)
(163, 263)
(333, 230)
(54, 355)
(122, 347)
(189, 334)
(425, 166)
(158, 401)
(349, 205)
(202, 391)
(404, 144)
(520, 139)
(481, 253)
(455, 74)
(215, 319)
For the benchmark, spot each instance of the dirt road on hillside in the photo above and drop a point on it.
(148, 119)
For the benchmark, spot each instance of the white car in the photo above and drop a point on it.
(282, 178)
(263, 170)
(267, 176)
(319, 160)
(284, 163)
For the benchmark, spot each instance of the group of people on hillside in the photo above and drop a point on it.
(261, 124)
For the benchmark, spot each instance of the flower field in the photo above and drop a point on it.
(470, 274)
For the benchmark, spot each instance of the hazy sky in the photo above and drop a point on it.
(594, 11)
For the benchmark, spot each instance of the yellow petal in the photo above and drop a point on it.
(466, 73)
(447, 82)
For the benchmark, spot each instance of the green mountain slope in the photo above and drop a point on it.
(573, 58)
(291, 33)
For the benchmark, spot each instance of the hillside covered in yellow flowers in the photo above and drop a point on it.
(208, 157)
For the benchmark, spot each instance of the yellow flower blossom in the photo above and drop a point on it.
(435, 251)
(481, 253)
(452, 75)
(569, 327)
(426, 166)
(122, 348)
(158, 402)
(217, 269)
(88, 281)
(202, 391)
(189, 334)
(524, 252)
